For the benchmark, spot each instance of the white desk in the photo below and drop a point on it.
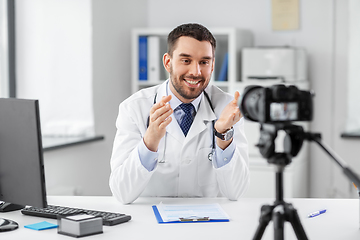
(341, 221)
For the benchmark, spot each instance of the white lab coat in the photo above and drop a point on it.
(183, 168)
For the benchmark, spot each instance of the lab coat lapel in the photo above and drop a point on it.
(203, 116)
(173, 128)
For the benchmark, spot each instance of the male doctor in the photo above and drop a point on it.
(182, 138)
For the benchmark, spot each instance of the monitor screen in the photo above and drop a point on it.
(22, 179)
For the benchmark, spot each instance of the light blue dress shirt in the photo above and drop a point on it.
(149, 158)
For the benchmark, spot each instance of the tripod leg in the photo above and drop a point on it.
(295, 222)
(278, 220)
(264, 220)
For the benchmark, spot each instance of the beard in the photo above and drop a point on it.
(185, 91)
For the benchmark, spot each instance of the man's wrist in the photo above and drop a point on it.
(219, 128)
(226, 135)
(151, 145)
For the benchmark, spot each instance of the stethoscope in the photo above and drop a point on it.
(211, 154)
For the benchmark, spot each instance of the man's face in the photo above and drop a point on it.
(190, 68)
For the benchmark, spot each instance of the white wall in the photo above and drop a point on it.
(353, 123)
(4, 67)
(323, 32)
(85, 169)
(348, 149)
(53, 52)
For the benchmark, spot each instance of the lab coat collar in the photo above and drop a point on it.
(161, 91)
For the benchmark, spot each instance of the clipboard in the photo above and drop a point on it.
(192, 219)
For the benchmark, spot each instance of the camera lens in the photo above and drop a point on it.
(249, 102)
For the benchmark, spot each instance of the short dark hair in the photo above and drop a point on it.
(193, 30)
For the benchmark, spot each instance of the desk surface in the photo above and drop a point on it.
(341, 221)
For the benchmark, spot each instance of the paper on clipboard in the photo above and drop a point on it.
(171, 213)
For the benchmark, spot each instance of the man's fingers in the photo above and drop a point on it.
(237, 116)
(165, 123)
(159, 112)
(160, 104)
(163, 116)
(236, 97)
(166, 99)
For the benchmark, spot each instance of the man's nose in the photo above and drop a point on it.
(195, 69)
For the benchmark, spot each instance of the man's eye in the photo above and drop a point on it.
(186, 61)
(205, 62)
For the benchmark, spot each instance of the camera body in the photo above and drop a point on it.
(276, 104)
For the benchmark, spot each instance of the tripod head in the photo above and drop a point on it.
(293, 142)
(295, 136)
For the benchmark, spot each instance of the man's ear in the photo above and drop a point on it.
(213, 65)
(166, 62)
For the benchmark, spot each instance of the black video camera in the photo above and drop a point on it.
(276, 104)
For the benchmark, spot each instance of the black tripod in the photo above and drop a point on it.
(280, 211)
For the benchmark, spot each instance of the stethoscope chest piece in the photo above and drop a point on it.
(210, 155)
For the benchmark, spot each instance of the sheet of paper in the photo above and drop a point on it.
(171, 212)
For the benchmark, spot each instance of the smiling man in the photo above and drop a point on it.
(182, 138)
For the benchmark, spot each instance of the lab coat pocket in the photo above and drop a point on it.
(206, 172)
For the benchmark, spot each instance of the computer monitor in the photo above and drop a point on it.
(22, 178)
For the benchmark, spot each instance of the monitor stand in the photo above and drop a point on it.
(6, 224)
(8, 207)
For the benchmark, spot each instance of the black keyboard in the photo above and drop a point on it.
(52, 211)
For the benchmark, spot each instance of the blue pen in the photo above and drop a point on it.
(317, 213)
